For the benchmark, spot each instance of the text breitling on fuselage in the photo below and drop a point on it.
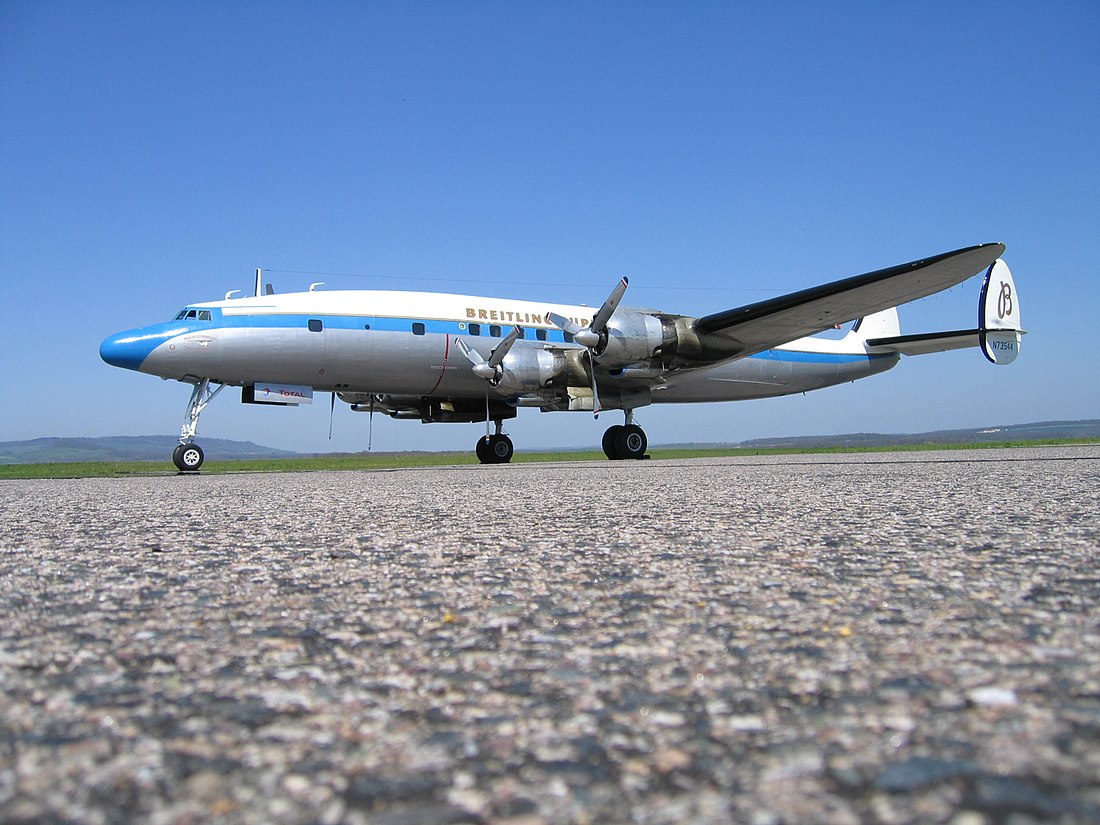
(478, 314)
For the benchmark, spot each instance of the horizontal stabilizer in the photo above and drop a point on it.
(925, 343)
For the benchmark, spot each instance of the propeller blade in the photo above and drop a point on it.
(482, 368)
(472, 356)
(496, 357)
(596, 408)
(599, 323)
(563, 323)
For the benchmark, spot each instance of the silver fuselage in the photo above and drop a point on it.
(404, 344)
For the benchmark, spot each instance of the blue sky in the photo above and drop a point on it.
(153, 154)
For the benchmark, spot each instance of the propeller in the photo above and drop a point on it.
(491, 369)
(593, 337)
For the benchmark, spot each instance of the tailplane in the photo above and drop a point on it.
(998, 334)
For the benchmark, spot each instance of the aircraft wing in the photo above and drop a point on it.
(757, 327)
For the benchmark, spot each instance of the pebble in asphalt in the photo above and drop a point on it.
(841, 639)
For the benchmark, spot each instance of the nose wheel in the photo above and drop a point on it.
(188, 457)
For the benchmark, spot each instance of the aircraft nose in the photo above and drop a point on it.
(125, 349)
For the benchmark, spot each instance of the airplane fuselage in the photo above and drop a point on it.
(403, 344)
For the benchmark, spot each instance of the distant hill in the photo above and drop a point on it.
(1007, 432)
(123, 448)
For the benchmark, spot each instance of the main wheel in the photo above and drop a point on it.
(630, 442)
(188, 457)
(494, 449)
(609, 437)
(482, 451)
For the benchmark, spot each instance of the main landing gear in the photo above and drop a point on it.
(621, 442)
(496, 448)
(625, 441)
(188, 456)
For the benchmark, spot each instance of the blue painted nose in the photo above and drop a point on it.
(128, 349)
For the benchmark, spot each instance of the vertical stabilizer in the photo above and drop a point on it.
(883, 324)
(999, 315)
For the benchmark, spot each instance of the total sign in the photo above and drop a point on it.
(277, 394)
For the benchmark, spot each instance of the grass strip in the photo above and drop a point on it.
(397, 461)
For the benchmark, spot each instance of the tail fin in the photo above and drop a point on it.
(879, 325)
(999, 315)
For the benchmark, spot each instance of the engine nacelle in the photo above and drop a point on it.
(632, 337)
(526, 369)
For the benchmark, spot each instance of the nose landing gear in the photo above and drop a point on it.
(188, 456)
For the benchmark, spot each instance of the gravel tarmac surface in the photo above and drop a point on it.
(877, 638)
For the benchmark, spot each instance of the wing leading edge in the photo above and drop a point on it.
(766, 324)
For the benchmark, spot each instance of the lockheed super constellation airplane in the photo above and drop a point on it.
(436, 357)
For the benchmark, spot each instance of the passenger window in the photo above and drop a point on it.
(522, 332)
(315, 325)
(474, 329)
(204, 315)
(418, 328)
(494, 330)
(540, 334)
(567, 337)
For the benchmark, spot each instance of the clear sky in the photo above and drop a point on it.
(153, 154)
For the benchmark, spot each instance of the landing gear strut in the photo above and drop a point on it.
(496, 448)
(625, 441)
(188, 456)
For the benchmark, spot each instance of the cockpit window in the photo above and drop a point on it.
(195, 314)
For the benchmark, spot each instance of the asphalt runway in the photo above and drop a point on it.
(863, 638)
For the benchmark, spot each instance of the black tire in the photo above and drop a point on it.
(188, 457)
(630, 442)
(609, 448)
(494, 449)
(482, 451)
(500, 446)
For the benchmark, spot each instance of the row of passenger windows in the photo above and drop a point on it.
(495, 331)
(418, 328)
